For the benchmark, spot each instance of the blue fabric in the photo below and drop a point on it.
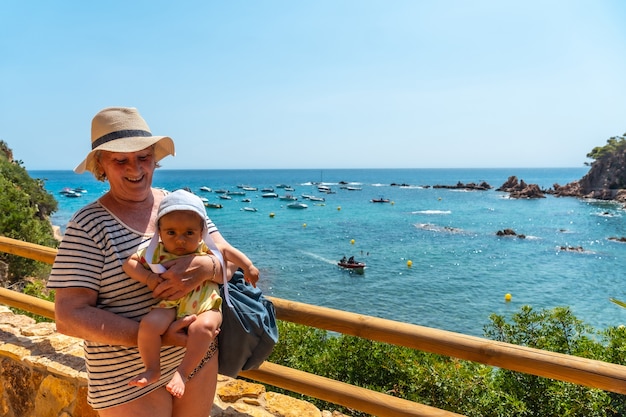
(248, 332)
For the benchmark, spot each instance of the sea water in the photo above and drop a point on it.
(432, 254)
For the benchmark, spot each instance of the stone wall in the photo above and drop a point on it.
(42, 374)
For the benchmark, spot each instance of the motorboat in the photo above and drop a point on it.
(288, 197)
(205, 189)
(269, 195)
(379, 200)
(297, 205)
(248, 209)
(213, 205)
(352, 265)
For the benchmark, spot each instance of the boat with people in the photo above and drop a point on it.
(379, 200)
(352, 265)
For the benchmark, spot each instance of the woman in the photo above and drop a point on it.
(98, 302)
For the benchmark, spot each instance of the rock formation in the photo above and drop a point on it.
(519, 189)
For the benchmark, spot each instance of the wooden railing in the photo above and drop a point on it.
(587, 372)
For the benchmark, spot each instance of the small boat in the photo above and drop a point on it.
(213, 205)
(282, 186)
(248, 188)
(248, 209)
(71, 193)
(269, 195)
(289, 189)
(288, 197)
(297, 205)
(221, 191)
(205, 188)
(353, 188)
(358, 267)
(313, 198)
(323, 189)
(225, 197)
(245, 200)
(379, 200)
(268, 189)
(236, 192)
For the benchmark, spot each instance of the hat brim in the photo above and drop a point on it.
(164, 146)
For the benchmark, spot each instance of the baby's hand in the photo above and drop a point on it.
(251, 275)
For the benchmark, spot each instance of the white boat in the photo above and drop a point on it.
(297, 205)
(205, 188)
(269, 195)
(248, 209)
(225, 197)
(313, 198)
(247, 188)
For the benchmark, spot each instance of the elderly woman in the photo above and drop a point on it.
(98, 302)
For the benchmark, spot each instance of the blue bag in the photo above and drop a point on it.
(248, 332)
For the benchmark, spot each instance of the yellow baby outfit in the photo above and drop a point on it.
(204, 297)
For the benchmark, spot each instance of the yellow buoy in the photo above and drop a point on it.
(409, 263)
(303, 224)
(338, 208)
(507, 297)
(352, 242)
(272, 214)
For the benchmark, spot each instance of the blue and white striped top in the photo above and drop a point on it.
(91, 255)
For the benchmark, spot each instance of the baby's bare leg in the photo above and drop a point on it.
(200, 335)
(151, 328)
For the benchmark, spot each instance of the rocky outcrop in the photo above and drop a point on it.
(42, 373)
(509, 232)
(483, 186)
(606, 180)
(519, 189)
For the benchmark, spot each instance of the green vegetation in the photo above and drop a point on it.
(464, 387)
(25, 207)
(613, 146)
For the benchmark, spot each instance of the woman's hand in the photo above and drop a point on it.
(176, 334)
(184, 274)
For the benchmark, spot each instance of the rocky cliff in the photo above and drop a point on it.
(606, 180)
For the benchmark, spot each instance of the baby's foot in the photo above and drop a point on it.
(145, 378)
(176, 386)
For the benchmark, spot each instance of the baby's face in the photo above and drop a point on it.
(181, 232)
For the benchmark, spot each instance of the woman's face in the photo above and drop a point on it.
(129, 173)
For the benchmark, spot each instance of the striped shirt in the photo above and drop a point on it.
(91, 255)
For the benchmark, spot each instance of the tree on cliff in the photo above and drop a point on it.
(25, 208)
(614, 145)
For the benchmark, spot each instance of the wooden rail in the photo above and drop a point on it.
(587, 372)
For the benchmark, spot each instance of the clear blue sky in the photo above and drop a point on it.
(319, 83)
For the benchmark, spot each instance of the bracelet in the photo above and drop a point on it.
(214, 268)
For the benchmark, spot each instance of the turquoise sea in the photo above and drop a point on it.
(459, 269)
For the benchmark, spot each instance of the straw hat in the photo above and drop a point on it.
(122, 129)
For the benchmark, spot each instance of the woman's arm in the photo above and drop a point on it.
(77, 316)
